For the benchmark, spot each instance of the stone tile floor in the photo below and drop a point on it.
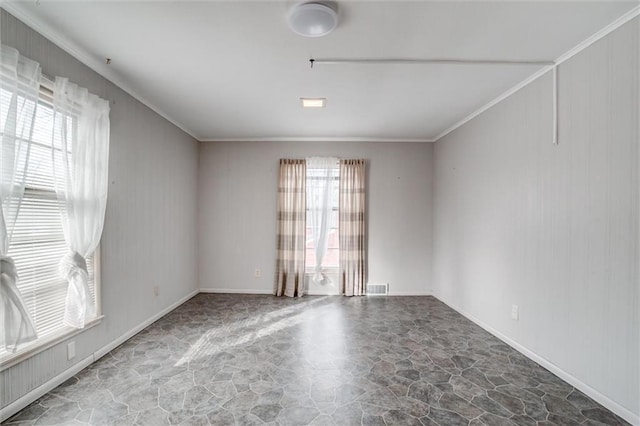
(247, 359)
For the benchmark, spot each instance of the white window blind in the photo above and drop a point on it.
(37, 244)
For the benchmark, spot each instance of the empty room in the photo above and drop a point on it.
(309, 212)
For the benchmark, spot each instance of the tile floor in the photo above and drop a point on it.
(247, 359)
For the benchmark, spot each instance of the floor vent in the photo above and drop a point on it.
(377, 289)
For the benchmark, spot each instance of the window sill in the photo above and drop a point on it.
(30, 349)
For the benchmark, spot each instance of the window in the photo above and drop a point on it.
(316, 177)
(38, 242)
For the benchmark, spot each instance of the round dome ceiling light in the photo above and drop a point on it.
(312, 19)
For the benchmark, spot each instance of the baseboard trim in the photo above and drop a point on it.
(605, 401)
(57, 380)
(319, 293)
(312, 293)
(410, 293)
(235, 290)
(38, 392)
(137, 329)
(47, 386)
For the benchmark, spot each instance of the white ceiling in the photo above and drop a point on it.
(233, 70)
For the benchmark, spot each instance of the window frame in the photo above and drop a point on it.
(310, 269)
(30, 349)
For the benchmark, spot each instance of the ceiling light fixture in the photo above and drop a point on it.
(312, 19)
(313, 102)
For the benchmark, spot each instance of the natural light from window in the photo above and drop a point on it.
(315, 177)
(38, 243)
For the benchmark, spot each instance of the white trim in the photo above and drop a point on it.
(101, 68)
(38, 392)
(410, 293)
(20, 403)
(315, 139)
(312, 293)
(554, 95)
(47, 386)
(567, 377)
(41, 345)
(236, 290)
(492, 103)
(137, 329)
(424, 61)
(320, 293)
(562, 58)
(73, 49)
(599, 35)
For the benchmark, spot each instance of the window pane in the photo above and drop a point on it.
(38, 242)
(331, 259)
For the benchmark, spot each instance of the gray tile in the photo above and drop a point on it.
(559, 406)
(425, 392)
(267, 413)
(347, 393)
(395, 417)
(453, 402)
(151, 417)
(324, 420)
(477, 377)
(509, 402)
(235, 359)
(492, 420)
(59, 414)
(247, 419)
(31, 413)
(445, 417)
(491, 406)
(580, 400)
(221, 417)
(297, 415)
(603, 416)
(350, 414)
(108, 411)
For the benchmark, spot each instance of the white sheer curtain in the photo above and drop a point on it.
(319, 185)
(19, 88)
(81, 164)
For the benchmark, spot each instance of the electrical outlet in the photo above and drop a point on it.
(71, 350)
(156, 291)
(257, 273)
(515, 312)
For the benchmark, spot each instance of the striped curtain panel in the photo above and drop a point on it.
(353, 262)
(292, 226)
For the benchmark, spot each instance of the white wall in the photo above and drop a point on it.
(149, 235)
(553, 229)
(237, 211)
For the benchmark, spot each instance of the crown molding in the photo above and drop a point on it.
(317, 139)
(493, 102)
(562, 58)
(17, 9)
(599, 35)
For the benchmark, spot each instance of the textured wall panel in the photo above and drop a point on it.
(552, 228)
(237, 211)
(149, 236)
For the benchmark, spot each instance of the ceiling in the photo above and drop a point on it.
(233, 70)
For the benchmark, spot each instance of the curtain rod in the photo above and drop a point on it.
(437, 61)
